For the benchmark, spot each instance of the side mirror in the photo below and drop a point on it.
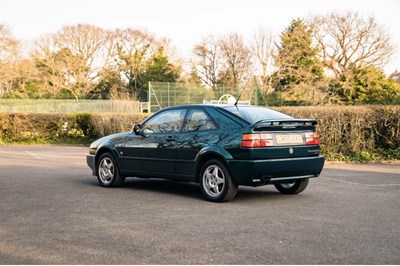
(137, 128)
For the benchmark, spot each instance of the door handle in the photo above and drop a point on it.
(170, 138)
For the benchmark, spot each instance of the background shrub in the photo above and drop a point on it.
(61, 128)
(347, 132)
(354, 131)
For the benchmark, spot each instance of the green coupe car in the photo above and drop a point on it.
(218, 146)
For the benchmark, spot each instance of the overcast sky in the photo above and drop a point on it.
(185, 22)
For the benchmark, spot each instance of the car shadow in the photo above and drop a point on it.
(192, 190)
(165, 186)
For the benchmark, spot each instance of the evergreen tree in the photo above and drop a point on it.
(160, 69)
(297, 60)
(368, 85)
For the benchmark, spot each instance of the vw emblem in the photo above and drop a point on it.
(290, 150)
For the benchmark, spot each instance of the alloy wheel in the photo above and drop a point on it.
(214, 181)
(106, 171)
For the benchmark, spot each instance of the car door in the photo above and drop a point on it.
(199, 131)
(153, 152)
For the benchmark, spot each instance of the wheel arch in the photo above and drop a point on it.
(104, 149)
(210, 153)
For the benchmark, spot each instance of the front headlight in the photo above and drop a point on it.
(93, 147)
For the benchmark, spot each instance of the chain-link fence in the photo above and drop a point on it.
(160, 95)
(164, 94)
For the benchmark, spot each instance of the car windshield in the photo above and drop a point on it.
(254, 114)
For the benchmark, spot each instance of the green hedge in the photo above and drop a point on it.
(347, 133)
(63, 128)
(355, 132)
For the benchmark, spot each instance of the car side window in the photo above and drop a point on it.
(166, 122)
(199, 121)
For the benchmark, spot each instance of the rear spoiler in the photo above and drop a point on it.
(284, 123)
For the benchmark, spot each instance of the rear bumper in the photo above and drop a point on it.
(262, 172)
(90, 160)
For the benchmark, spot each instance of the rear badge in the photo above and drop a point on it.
(290, 150)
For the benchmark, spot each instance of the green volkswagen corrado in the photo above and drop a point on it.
(218, 146)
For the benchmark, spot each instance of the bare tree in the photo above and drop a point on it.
(9, 52)
(92, 44)
(350, 40)
(263, 49)
(169, 50)
(8, 45)
(237, 58)
(72, 58)
(207, 63)
(133, 52)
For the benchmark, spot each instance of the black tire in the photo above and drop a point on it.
(294, 187)
(107, 171)
(216, 183)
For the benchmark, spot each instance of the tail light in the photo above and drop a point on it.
(311, 138)
(257, 140)
(267, 140)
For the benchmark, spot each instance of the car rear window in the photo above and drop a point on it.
(254, 114)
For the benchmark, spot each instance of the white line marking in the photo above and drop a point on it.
(34, 155)
(360, 184)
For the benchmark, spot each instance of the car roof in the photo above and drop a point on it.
(208, 105)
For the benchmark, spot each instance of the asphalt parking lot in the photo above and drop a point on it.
(52, 211)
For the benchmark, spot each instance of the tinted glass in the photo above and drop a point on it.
(166, 122)
(254, 114)
(199, 121)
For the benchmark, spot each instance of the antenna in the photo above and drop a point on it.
(237, 100)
